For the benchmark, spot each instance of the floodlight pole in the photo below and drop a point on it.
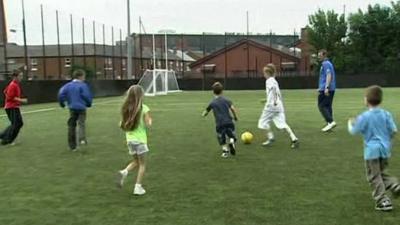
(26, 67)
(154, 66)
(129, 42)
(166, 51)
(166, 63)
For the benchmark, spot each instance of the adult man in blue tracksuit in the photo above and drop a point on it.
(78, 97)
(327, 87)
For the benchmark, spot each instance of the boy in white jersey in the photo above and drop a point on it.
(273, 110)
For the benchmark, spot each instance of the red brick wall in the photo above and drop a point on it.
(237, 61)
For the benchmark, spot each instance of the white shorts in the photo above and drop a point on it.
(137, 148)
(278, 117)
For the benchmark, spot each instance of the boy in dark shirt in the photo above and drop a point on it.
(225, 127)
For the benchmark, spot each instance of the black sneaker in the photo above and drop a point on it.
(295, 144)
(384, 206)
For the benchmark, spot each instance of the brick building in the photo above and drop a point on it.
(107, 62)
(246, 58)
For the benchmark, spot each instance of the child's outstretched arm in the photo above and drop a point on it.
(356, 126)
(205, 112)
(234, 113)
(148, 120)
(350, 123)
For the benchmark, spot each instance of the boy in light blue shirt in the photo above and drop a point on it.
(377, 127)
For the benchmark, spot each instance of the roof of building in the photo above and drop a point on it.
(273, 48)
(36, 51)
(17, 51)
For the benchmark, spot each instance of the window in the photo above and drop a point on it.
(34, 62)
(11, 61)
(124, 64)
(67, 62)
(108, 64)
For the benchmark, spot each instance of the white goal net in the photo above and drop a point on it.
(159, 82)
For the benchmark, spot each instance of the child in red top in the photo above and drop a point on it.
(12, 102)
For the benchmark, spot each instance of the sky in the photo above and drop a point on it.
(182, 16)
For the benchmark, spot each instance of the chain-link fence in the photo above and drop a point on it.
(49, 44)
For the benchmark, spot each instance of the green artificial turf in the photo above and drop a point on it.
(187, 182)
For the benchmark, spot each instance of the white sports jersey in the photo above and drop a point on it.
(274, 97)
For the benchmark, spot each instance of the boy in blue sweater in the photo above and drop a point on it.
(377, 127)
(78, 97)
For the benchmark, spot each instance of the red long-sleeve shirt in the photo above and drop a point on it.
(12, 91)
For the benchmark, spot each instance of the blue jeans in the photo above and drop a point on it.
(325, 105)
(224, 131)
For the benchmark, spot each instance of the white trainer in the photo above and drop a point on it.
(329, 127)
(139, 190)
(268, 142)
(225, 154)
(120, 178)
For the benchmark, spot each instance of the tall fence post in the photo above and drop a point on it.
(112, 52)
(58, 46)
(226, 62)
(120, 54)
(248, 55)
(83, 42)
(94, 50)
(204, 54)
(72, 40)
(141, 49)
(4, 40)
(270, 45)
(183, 57)
(104, 52)
(43, 43)
(26, 68)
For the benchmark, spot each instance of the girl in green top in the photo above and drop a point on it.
(135, 121)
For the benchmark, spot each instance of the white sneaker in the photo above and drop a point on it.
(225, 154)
(83, 142)
(268, 142)
(120, 178)
(139, 190)
(329, 127)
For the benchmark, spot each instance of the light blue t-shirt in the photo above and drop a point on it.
(377, 126)
(326, 68)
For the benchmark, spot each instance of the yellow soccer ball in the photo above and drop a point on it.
(247, 137)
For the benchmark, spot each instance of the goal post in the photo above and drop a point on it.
(159, 82)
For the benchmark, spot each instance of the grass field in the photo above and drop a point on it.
(187, 182)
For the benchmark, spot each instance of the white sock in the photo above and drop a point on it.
(270, 135)
(224, 148)
(290, 132)
(138, 185)
(124, 172)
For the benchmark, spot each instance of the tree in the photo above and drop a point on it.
(327, 30)
(374, 39)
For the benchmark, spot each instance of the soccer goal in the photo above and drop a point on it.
(159, 82)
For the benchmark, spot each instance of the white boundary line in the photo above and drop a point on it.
(33, 111)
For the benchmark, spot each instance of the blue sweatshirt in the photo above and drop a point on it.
(77, 95)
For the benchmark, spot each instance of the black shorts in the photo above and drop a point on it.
(224, 131)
